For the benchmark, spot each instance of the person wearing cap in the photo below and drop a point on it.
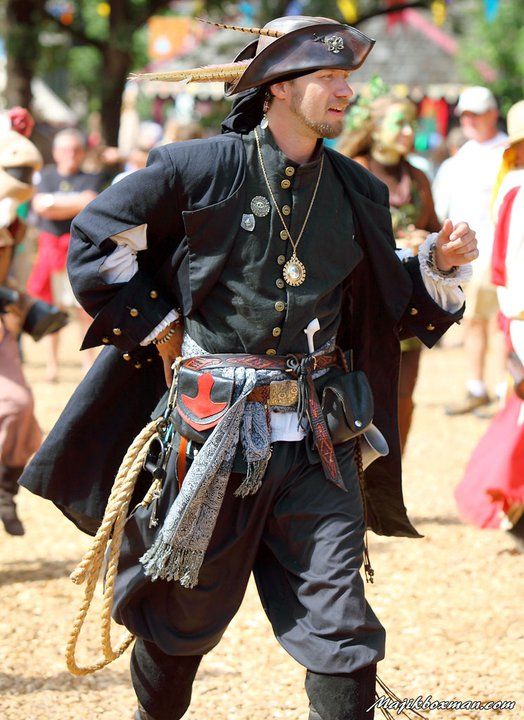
(233, 251)
(463, 188)
(491, 492)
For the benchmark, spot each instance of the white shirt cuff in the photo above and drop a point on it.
(444, 290)
(122, 264)
(169, 318)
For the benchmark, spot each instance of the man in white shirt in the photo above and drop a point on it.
(463, 188)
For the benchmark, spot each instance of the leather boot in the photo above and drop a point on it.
(342, 697)
(141, 714)
(8, 489)
(162, 683)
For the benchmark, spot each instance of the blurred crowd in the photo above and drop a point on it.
(476, 175)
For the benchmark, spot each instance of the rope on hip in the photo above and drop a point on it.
(89, 568)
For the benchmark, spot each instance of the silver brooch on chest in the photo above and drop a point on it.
(260, 206)
(334, 43)
(248, 222)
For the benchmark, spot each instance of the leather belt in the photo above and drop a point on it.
(302, 368)
(286, 363)
(283, 393)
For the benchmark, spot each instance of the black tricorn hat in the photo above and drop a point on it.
(306, 44)
(287, 47)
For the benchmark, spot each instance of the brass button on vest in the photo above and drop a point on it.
(290, 171)
(133, 312)
(413, 311)
(430, 327)
(271, 351)
(126, 357)
(153, 294)
(283, 235)
(105, 340)
(138, 365)
(280, 306)
(117, 331)
(286, 210)
(285, 184)
(276, 331)
(280, 283)
(281, 259)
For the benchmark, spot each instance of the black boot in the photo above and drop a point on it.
(517, 533)
(342, 697)
(8, 489)
(141, 714)
(162, 682)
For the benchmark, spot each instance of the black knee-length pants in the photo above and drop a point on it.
(301, 536)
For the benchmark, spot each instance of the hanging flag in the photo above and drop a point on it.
(295, 7)
(491, 8)
(394, 17)
(438, 10)
(349, 10)
(169, 36)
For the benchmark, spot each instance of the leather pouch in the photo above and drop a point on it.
(347, 404)
(202, 401)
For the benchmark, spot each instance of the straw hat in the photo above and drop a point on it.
(515, 122)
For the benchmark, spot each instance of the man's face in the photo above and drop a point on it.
(479, 127)
(68, 155)
(319, 101)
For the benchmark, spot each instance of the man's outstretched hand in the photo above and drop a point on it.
(170, 350)
(455, 245)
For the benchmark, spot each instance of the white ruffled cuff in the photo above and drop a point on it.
(461, 275)
(169, 318)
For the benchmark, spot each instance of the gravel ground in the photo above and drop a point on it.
(452, 602)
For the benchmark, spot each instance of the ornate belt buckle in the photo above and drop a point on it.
(283, 392)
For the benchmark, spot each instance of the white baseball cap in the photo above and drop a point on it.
(476, 100)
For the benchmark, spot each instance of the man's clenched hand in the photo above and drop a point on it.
(455, 245)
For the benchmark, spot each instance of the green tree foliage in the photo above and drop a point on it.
(492, 53)
(99, 50)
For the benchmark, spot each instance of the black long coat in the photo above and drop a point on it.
(191, 196)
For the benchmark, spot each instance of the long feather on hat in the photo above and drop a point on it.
(253, 30)
(208, 73)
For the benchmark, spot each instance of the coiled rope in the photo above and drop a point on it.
(110, 530)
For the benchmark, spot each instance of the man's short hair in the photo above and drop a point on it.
(70, 133)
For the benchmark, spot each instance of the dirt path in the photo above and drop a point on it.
(452, 602)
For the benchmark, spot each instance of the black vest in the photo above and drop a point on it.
(251, 308)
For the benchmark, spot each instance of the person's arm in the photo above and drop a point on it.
(437, 300)
(121, 266)
(430, 221)
(442, 189)
(127, 298)
(62, 206)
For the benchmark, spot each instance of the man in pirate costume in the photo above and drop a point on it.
(234, 246)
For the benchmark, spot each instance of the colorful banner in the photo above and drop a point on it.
(349, 10)
(170, 36)
(491, 8)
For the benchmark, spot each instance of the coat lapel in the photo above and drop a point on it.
(374, 233)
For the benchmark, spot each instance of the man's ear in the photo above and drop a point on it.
(279, 90)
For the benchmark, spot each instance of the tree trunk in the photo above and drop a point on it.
(23, 21)
(117, 65)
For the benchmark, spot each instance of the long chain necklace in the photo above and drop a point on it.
(294, 271)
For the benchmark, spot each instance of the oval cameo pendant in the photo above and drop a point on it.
(294, 271)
